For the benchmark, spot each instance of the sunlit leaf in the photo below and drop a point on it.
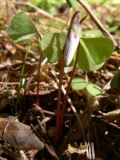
(97, 33)
(94, 52)
(98, 1)
(81, 84)
(52, 45)
(21, 28)
(78, 83)
(92, 33)
(93, 89)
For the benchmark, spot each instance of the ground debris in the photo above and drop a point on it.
(18, 135)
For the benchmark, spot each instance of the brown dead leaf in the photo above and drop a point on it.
(18, 135)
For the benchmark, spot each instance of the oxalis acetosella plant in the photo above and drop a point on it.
(88, 53)
(91, 54)
(22, 29)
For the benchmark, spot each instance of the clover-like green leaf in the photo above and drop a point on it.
(52, 45)
(94, 52)
(21, 28)
(93, 89)
(78, 83)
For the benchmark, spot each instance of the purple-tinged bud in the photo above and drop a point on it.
(73, 38)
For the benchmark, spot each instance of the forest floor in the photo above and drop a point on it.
(28, 109)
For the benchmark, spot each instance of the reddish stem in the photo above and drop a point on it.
(59, 109)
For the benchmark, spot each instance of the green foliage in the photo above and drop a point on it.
(21, 28)
(104, 1)
(94, 52)
(92, 33)
(81, 84)
(97, 33)
(52, 45)
(98, 1)
(71, 3)
(48, 5)
(93, 90)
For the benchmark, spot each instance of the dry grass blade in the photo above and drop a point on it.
(112, 116)
(80, 150)
(91, 151)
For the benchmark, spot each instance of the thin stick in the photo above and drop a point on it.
(44, 13)
(96, 20)
(7, 9)
(38, 72)
(38, 75)
(9, 83)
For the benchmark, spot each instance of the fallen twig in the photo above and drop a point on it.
(96, 20)
(44, 13)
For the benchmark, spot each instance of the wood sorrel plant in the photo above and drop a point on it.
(92, 53)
